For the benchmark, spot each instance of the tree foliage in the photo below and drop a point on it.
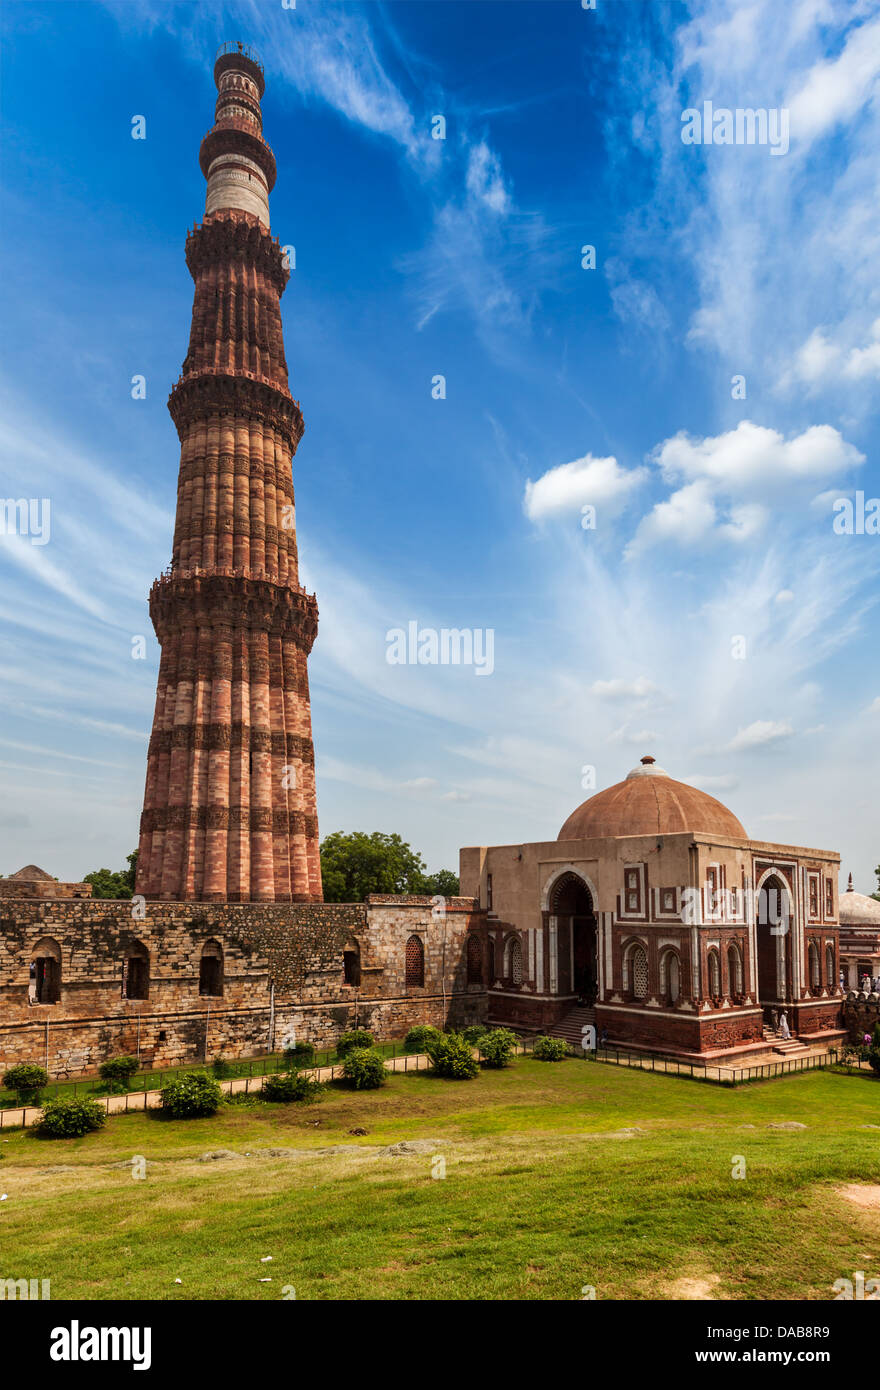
(453, 1057)
(109, 883)
(364, 1069)
(356, 864)
(192, 1095)
(70, 1117)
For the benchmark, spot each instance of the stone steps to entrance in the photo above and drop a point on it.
(572, 1025)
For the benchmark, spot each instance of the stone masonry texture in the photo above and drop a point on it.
(229, 807)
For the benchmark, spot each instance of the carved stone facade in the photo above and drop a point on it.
(229, 808)
(682, 935)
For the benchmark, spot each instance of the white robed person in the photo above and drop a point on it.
(784, 1030)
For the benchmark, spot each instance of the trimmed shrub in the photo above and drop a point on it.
(358, 1038)
(191, 1096)
(290, 1086)
(550, 1049)
(496, 1047)
(364, 1069)
(474, 1032)
(26, 1081)
(302, 1054)
(220, 1068)
(71, 1118)
(453, 1057)
(419, 1037)
(118, 1071)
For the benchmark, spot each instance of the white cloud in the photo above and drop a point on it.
(688, 516)
(759, 734)
(484, 180)
(835, 89)
(752, 457)
(619, 689)
(566, 488)
(729, 478)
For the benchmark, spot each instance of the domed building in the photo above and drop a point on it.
(654, 917)
(859, 938)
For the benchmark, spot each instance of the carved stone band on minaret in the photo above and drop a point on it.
(229, 807)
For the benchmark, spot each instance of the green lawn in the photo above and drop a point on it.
(558, 1176)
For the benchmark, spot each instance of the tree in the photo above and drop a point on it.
(444, 882)
(354, 865)
(877, 894)
(109, 884)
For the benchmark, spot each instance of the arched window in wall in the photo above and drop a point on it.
(735, 968)
(635, 971)
(136, 972)
(415, 962)
(351, 962)
(830, 976)
(44, 983)
(474, 960)
(815, 972)
(714, 962)
(670, 976)
(211, 970)
(513, 962)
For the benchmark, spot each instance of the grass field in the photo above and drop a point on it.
(558, 1176)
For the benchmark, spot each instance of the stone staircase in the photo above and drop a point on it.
(785, 1047)
(572, 1025)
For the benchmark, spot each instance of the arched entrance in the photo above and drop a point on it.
(774, 932)
(571, 903)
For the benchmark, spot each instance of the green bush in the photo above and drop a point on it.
(71, 1118)
(453, 1057)
(288, 1086)
(474, 1032)
(358, 1038)
(26, 1081)
(302, 1054)
(191, 1096)
(496, 1047)
(220, 1068)
(419, 1036)
(550, 1049)
(119, 1071)
(364, 1069)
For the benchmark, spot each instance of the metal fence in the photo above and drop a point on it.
(18, 1116)
(253, 1074)
(717, 1075)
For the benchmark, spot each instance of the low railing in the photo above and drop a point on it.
(245, 49)
(718, 1075)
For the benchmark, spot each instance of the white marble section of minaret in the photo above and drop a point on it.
(237, 182)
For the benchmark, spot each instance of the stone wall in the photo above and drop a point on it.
(861, 1013)
(282, 971)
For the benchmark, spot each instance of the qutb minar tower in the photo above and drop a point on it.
(229, 808)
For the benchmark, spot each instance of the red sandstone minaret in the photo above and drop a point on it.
(229, 809)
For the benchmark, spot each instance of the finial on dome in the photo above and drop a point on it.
(849, 886)
(648, 759)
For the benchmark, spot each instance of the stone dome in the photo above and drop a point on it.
(30, 874)
(858, 910)
(650, 802)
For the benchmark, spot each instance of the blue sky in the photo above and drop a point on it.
(712, 618)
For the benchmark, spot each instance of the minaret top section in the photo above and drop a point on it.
(234, 157)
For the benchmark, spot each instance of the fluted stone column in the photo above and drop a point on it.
(229, 807)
